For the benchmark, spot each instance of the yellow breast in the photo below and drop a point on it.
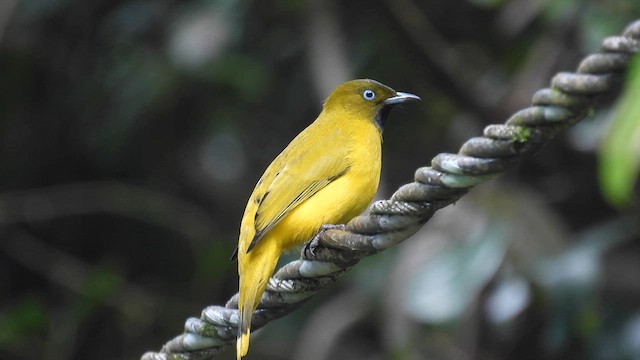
(347, 196)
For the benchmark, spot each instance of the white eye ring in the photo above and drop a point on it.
(368, 95)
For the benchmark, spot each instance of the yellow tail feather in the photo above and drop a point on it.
(256, 268)
(245, 310)
(242, 346)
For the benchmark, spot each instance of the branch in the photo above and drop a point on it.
(389, 222)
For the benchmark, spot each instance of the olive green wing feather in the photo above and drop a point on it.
(299, 179)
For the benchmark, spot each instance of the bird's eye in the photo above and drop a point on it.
(368, 95)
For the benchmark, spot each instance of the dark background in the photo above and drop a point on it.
(132, 133)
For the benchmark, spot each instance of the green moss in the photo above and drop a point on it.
(522, 135)
(209, 331)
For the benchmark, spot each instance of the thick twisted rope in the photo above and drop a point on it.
(389, 222)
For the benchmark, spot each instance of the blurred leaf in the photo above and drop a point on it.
(601, 19)
(443, 288)
(132, 19)
(36, 9)
(200, 35)
(630, 337)
(488, 3)
(560, 10)
(138, 83)
(579, 266)
(213, 262)
(246, 75)
(572, 280)
(620, 153)
(509, 298)
(22, 321)
(222, 157)
(99, 285)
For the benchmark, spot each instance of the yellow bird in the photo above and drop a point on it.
(328, 174)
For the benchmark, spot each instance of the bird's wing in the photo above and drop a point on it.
(299, 179)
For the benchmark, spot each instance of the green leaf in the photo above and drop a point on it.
(21, 321)
(100, 284)
(619, 158)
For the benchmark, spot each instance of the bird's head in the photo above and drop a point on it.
(365, 98)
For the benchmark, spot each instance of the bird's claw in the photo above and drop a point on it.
(310, 247)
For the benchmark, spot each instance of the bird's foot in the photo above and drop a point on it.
(310, 247)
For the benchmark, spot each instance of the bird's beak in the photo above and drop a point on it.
(401, 97)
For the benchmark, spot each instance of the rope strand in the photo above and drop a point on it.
(389, 222)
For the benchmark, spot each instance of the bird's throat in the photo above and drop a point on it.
(381, 117)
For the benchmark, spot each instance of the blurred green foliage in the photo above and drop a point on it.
(22, 321)
(620, 152)
(132, 131)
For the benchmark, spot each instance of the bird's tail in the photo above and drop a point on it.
(242, 346)
(256, 268)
